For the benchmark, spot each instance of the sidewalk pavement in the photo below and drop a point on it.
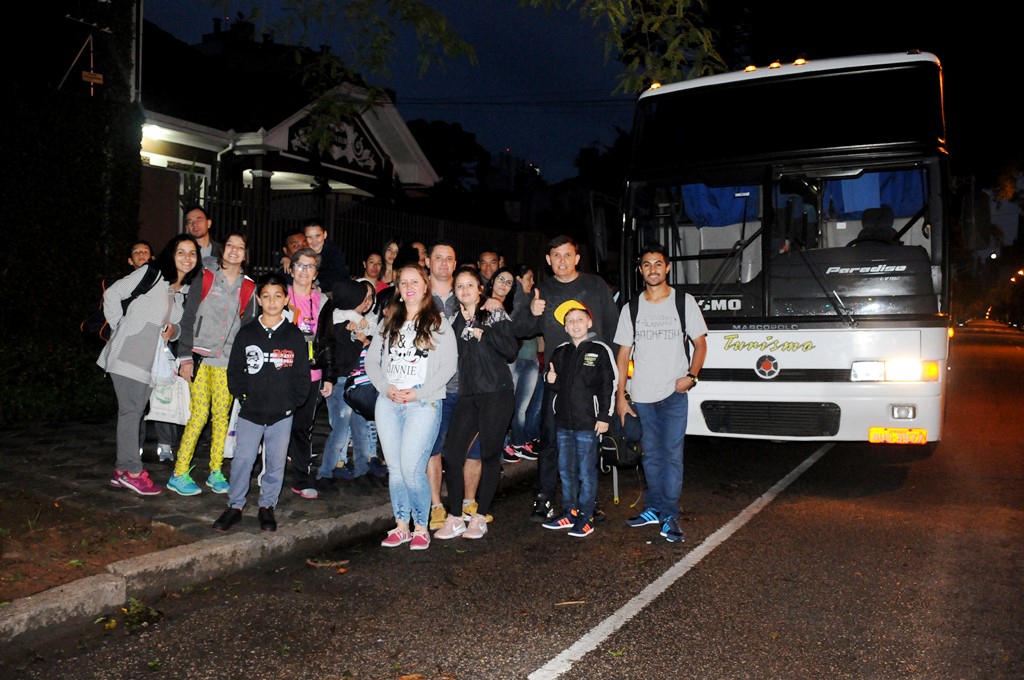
(76, 459)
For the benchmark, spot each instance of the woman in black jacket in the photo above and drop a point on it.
(486, 399)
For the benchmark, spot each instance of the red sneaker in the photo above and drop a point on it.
(140, 484)
(395, 538)
(420, 540)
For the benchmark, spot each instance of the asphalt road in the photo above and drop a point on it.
(801, 561)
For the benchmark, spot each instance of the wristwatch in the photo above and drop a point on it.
(692, 377)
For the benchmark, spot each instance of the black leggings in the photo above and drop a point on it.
(300, 446)
(489, 416)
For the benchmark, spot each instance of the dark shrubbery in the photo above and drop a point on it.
(70, 204)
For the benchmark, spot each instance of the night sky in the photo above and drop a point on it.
(542, 90)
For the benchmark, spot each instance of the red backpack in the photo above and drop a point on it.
(244, 293)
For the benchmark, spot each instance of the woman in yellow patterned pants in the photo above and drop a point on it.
(223, 309)
(211, 399)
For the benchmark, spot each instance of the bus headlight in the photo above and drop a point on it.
(898, 370)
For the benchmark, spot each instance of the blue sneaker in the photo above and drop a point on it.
(217, 482)
(344, 472)
(566, 521)
(671, 531)
(183, 485)
(648, 516)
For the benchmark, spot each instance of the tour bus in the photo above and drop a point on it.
(804, 206)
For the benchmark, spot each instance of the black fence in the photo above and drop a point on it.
(356, 227)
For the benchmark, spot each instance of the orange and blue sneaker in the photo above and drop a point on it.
(584, 526)
(566, 521)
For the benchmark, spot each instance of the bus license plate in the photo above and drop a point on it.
(897, 435)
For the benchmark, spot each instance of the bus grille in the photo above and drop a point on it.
(783, 419)
(817, 375)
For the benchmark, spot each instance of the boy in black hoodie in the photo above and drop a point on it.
(582, 374)
(268, 372)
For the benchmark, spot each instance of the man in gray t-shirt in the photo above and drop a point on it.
(662, 376)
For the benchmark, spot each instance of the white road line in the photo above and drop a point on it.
(589, 642)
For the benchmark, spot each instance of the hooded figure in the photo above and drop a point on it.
(347, 295)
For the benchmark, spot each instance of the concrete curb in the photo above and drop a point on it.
(147, 576)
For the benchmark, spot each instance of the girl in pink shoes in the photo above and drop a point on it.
(410, 361)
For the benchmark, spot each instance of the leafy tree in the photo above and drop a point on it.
(656, 40)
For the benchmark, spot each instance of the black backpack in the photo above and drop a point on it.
(96, 324)
(634, 309)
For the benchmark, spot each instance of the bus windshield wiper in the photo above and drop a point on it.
(841, 310)
(734, 254)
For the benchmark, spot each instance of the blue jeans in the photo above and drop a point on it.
(533, 419)
(524, 376)
(406, 433)
(364, 444)
(346, 424)
(577, 466)
(275, 450)
(664, 427)
(339, 414)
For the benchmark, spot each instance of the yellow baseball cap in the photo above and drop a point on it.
(567, 307)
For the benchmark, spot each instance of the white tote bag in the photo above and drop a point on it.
(229, 441)
(170, 403)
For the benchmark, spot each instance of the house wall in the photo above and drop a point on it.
(159, 213)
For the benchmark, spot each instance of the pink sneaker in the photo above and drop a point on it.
(140, 484)
(420, 540)
(116, 479)
(477, 527)
(395, 538)
(453, 526)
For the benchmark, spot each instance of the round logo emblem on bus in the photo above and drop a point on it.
(767, 367)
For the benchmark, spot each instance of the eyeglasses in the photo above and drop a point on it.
(507, 282)
(304, 267)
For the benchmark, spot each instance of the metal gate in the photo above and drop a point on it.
(355, 226)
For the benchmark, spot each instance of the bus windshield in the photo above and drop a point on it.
(853, 243)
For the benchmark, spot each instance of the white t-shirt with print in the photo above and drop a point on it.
(408, 363)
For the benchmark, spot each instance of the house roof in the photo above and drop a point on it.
(236, 96)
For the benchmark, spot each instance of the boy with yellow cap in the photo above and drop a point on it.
(582, 375)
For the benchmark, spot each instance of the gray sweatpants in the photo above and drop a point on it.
(132, 399)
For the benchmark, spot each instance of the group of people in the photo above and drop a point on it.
(454, 354)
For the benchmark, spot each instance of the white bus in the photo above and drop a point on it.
(804, 207)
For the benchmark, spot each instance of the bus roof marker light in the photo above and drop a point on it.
(750, 68)
(775, 64)
(800, 61)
